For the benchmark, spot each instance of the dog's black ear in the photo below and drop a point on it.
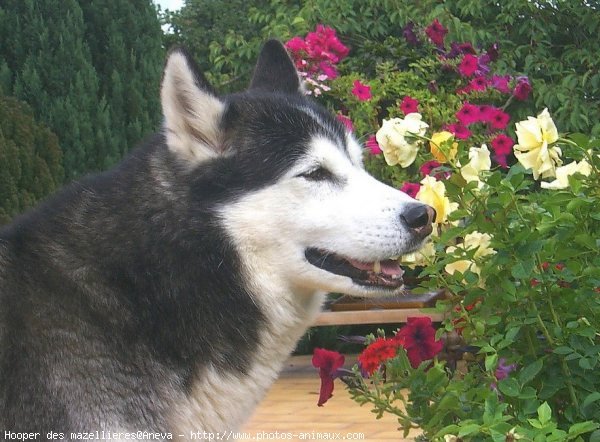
(191, 108)
(275, 71)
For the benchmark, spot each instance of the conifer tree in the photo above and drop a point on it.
(30, 159)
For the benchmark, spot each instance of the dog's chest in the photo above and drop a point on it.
(221, 401)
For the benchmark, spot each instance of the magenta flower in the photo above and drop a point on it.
(468, 114)
(361, 91)
(428, 167)
(436, 32)
(486, 112)
(522, 89)
(468, 65)
(500, 83)
(346, 122)
(373, 146)
(411, 189)
(502, 144)
(409, 105)
(296, 44)
(499, 119)
(328, 69)
(459, 130)
(492, 51)
(328, 362)
(457, 49)
(502, 372)
(479, 83)
(323, 44)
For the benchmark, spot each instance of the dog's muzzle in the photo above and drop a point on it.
(419, 218)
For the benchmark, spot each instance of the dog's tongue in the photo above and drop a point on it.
(388, 267)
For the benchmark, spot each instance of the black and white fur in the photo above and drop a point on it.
(166, 294)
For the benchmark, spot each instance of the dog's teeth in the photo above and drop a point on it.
(377, 266)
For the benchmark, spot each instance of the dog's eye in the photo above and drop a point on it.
(318, 174)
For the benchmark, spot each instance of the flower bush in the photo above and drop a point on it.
(515, 246)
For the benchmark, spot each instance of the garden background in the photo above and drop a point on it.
(517, 253)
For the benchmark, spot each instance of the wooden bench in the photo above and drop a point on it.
(348, 310)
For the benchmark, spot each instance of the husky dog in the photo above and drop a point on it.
(166, 294)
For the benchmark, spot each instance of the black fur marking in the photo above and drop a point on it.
(275, 71)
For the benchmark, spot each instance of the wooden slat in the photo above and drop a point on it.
(372, 316)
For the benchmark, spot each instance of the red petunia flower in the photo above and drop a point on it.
(468, 114)
(499, 119)
(409, 105)
(418, 338)
(436, 32)
(373, 146)
(411, 189)
(377, 353)
(459, 130)
(428, 167)
(361, 91)
(468, 65)
(328, 362)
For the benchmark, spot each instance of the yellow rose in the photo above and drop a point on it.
(396, 137)
(433, 192)
(421, 257)
(564, 172)
(440, 146)
(480, 242)
(479, 160)
(535, 135)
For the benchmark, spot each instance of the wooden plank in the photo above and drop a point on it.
(372, 316)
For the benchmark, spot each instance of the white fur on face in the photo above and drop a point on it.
(355, 216)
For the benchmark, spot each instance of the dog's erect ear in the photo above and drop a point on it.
(191, 109)
(275, 71)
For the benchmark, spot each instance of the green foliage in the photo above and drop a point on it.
(84, 69)
(554, 43)
(30, 159)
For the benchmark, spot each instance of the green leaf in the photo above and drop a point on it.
(528, 373)
(590, 398)
(563, 350)
(491, 361)
(509, 387)
(595, 436)
(469, 429)
(582, 428)
(544, 413)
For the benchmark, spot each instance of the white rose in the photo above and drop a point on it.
(396, 137)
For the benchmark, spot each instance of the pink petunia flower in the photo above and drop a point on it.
(328, 362)
(502, 144)
(328, 69)
(486, 112)
(346, 121)
(361, 91)
(459, 130)
(436, 32)
(468, 114)
(411, 189)
(502, 160)
(409, 105)
(500, 83)
(430, 166)
(479, 83)
(522, 89)
(499, 119)
(373, 146)
(468, 65)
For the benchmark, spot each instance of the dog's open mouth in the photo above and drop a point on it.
(386, 273)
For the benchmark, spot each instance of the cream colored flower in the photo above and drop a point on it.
(440, 146)
(396, 137)
(451, 438)
(564, 172)
(480, 242)
(535, 135)
(479, 160)
(421, 257)
(433, 192)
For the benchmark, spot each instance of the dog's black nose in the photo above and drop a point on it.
(419, 217)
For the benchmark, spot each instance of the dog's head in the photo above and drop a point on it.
(288, 183)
